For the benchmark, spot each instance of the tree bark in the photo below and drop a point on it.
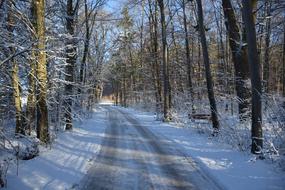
(177, 74)
(188, 59)
(166, 84)
(158, 86)
(41, 70)
(71, 55)
(267, 50)
(239, 56)
(154, 52)
(157, 64)
(283, 72)
(31, 101)
(17, 98)
(86, 45)
(256, 128)
(15, 77)
(211, 95)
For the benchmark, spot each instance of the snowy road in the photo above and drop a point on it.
(133, 157)
(126, 149)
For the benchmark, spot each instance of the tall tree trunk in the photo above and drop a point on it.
(71, 60)
(177, 75)
(267, 50)
(188, 59)
(222, 67)
(151, 52)
(137, 77)
(157, 64)
(15, 77)
(166, 84)
(41, 70)
(200, 75)
(239, 56)
(132, 75)
(156, 56)
(154, 53)
(283, 69)
(256, 129)
(17, 98)
(86, 45)
(31, 100)
(211, 95)
(124, 90)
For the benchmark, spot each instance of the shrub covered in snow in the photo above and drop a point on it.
(26, 148)
(14, 148)
(233, 131)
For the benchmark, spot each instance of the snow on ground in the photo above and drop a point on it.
(64, 165)
(233, 169)
(71, 156)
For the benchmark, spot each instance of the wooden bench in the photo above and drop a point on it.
(200, 116)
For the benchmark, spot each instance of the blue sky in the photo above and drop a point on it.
(114, 5)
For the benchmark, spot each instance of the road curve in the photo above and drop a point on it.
(132, 157)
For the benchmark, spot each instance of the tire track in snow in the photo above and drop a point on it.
(132, 157)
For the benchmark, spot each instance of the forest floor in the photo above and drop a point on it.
(123, 148)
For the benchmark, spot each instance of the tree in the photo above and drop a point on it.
(31, 100)
(267, 43)
(283, 67)
(90, 13)
(15, 78)
(188, 60)
(239, 57)
(211, 96)
(166, 84)
(256, 128)
(38, 7)
(154, 52)
(86, 44)
(71, 56)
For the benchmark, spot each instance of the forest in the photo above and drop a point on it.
(217, 65)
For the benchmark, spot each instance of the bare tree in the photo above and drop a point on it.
(256, 129)
(283, 68)
(71, 56)
(15, 70)
(166, 84)
(267, 43)
(154, 52)
(211, 95)
(188, 59)
(41, 70)
(239, 56)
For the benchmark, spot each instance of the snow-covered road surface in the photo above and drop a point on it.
(133, 157)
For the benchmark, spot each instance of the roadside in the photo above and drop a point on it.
(233, 169)
(68, 160)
